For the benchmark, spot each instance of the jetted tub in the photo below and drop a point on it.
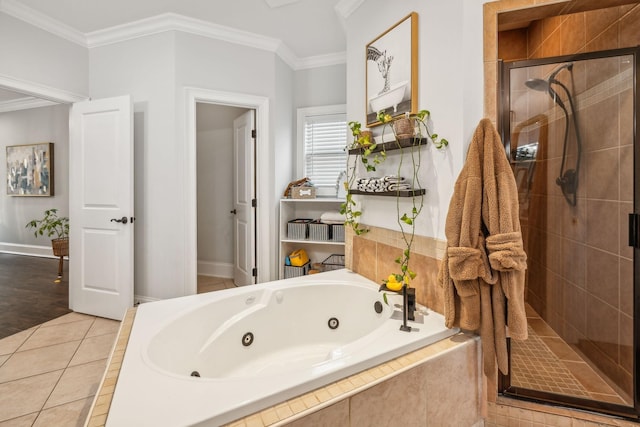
(212, 358)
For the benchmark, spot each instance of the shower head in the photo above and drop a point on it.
(544, 85)
(537, 84)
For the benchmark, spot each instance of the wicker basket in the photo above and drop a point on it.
(333, 262)
(60, 246)
(404, 128)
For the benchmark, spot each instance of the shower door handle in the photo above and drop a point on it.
(634, 227)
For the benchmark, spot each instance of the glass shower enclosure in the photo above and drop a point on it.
(569, 128)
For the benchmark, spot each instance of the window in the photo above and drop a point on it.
(322, 137)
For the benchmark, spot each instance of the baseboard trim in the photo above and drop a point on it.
(216, 269)
(29, 250)
(141, 299)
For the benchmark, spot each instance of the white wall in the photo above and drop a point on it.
(29, 54)
(320, 86)
(44, 124)
(145, 69)
(450, 85)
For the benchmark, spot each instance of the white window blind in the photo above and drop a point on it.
(325, 138)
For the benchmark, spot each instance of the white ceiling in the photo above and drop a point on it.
(307, 27)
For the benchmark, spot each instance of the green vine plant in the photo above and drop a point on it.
(406, 220)
(364, 142)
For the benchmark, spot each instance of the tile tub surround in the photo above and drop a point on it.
(373, 256)
(416, 380)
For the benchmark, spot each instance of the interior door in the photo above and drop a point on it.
(244, 234)
(101, 207)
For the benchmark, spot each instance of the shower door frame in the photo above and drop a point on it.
(504, 123)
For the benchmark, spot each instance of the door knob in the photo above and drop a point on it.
(233, 211)
(123, 220)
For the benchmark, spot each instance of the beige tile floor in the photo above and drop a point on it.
(50, 373)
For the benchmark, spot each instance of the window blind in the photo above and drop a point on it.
(325, 138)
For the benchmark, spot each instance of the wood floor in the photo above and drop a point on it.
(28, 294)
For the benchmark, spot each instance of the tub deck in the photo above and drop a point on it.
(305, 405)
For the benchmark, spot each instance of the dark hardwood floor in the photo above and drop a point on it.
(28, 294)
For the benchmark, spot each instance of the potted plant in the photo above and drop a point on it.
(53, 225)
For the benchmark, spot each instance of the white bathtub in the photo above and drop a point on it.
(293, 348)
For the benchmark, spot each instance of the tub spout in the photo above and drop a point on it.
(408, 307)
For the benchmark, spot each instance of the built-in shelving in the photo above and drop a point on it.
(318, 250)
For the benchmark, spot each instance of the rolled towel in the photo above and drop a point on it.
(399, 187)
(393, 179)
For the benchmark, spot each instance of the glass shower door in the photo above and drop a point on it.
(569, 128)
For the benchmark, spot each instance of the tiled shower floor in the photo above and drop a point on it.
(545, 362)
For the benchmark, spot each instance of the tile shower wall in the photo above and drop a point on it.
(580, 267)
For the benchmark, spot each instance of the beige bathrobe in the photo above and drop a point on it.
(483, 269)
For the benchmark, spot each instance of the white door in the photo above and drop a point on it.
(101, 207)
(244, 234)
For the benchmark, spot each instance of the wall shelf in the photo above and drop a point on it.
(402, 193)
(393, 145)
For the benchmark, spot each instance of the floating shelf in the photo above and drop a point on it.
(393, 145)
(401, 193)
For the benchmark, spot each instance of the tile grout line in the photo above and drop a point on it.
(63, 371)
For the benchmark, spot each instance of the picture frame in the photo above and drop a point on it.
(391, 64)
(30, 170)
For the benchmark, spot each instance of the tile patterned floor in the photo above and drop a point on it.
(545, 362)
(49, 374)
(536, 367)
(210, 283)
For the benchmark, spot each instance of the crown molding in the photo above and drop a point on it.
(42, 21)
(39, 90)
(25, 103)
(166, 22)
(322, 60)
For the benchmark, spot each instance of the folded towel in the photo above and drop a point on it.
(332, 218)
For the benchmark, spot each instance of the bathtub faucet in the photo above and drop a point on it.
(408, 307)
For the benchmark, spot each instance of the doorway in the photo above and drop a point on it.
(216, 180)
(263, 220)
(568, 125)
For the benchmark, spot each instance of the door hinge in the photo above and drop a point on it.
(634, 228)
(254, 272)
(253, 133)
(254, 203)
